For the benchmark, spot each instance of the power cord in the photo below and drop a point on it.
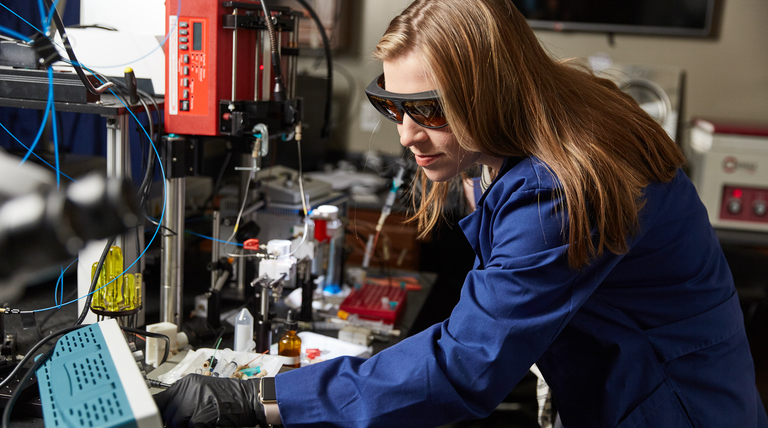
(156, 336)
(94, 281)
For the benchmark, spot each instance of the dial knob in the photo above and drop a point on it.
(760, 208)
(734, 206)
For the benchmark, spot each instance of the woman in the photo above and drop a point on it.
(595, 257)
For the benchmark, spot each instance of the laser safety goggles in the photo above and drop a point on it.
(423, 107)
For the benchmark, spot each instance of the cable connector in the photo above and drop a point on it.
(154, 383)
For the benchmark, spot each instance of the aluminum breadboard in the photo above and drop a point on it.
(92, 380)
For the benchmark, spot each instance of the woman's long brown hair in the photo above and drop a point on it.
(505, 96)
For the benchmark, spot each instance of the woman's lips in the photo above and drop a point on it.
(424, 160)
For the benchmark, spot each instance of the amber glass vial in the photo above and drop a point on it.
(289, 345)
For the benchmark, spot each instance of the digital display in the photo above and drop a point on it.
(197, 36)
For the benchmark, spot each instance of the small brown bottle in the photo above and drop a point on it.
(289, 345)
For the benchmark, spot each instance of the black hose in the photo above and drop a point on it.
(276, 67)
(156, 336)
(70, 52)
(94, 281)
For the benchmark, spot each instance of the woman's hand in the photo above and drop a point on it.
(204, 401)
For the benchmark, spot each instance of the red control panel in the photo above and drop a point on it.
(744, 204)
(200, 65)
(192, 81)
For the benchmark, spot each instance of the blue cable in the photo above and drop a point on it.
(61, 281)
(59, 285)
(50, 108)
(153, 237)
(41, 6)
(162, 214)
(14, 34)
(27, 39)
(167, 36)
(49, 105)
(34, 154)
(22, 37)
(46, 26)
(58, 306)
(49, 19)
(210, 238)
(55, 130)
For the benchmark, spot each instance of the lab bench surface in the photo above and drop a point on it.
(38, 298)
(414, 305)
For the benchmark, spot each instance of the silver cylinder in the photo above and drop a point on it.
(172, 265)
(215, 246)
(234, 60)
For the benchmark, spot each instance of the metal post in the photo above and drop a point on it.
(215, 246)
(266, 75)
(172, 269)
(118, 155)
(234, 59)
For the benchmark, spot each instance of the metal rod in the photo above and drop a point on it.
(266, 75)
(293, 41)
(265, 290)
(172, 272)
(234, 58)
(215, 246)
(256, 60)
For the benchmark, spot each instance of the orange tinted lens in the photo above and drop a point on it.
(426, 112)
(387, 108)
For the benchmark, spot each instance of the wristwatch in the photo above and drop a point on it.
(268, 401)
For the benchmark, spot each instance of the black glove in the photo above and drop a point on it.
(204, 401)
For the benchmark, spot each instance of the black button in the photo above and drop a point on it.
(183, 39)
(184, 47)
(183, 24)
(183, 32)
(185, 106)
(185, 58)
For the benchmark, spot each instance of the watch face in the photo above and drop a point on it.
(267, 390)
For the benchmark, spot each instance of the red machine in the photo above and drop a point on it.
(220, 74)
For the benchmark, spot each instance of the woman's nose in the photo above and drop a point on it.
(411, 133)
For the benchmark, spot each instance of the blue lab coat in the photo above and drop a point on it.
(652, 338)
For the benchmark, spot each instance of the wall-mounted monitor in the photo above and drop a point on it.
(690, 18)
